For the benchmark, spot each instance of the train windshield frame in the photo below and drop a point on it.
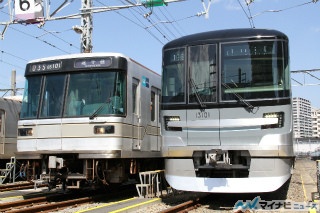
(75, 94)
(239, 64)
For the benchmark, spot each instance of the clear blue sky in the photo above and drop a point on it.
(128, 32)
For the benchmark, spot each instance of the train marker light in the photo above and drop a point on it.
(103, 129)
(25, 132)
(170, 119)
(279, 115)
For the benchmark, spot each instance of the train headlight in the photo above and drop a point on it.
(279, 115)
(25, 132)
(171, 119)
(103, 129)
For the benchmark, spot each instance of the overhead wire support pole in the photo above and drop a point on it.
(206, 8)
(304, 73)
(86, 24)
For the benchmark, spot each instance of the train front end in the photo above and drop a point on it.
(80, 122)
(226, 111)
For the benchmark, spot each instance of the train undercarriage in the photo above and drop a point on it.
(73, 173)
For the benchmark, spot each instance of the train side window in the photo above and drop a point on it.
(153, 106)
(1, 122)
(135, 84)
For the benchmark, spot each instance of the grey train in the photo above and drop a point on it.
(89, 118)
(9, 116)
(226, 111)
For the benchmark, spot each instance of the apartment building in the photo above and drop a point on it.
(315, 116)
(302, 118)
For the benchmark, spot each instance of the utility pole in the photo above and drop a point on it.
(13, 87)
(86, 25)
(13, 83)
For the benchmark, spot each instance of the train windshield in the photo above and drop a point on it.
(248, 70)
(74, 95)
(30, 101)
(95, 93)
(173, 78)
(254, 70)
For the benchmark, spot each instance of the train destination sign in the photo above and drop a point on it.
(92, 62)
(46, 66)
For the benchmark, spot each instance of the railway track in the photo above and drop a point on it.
(184, 207)
(59, 200)
(45, 204)
(18, 186)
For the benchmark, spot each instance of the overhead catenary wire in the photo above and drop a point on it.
(249, 11)
(180, 30)
(284, 9)
(149, 16)
(13, 55)
(141, 26)
(248, 16)
(157, 21)
(59, 38)
(42, 40)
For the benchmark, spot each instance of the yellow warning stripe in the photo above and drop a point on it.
(135, 205)
(12, 197)
(304, 190)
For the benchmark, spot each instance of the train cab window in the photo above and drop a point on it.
(254, 70)
(52, 96)
(95, 93)
(173, 75)
(202, 73)
(31, 100)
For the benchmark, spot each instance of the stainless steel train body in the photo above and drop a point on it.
(226, 111)
(9, 116)
(96, 114)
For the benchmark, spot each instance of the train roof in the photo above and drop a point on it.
(89, 55)
(8, 104)
(15, 98)
(79, 55)
(226, 35)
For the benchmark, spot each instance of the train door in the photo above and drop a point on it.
(49, 126)
(203, 119)
(136, 115)
(2, 129)
(153, 127)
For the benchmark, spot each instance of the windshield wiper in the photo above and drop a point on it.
(93, 115)
(249, 106)
(196, 93)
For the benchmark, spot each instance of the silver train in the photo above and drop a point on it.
(226, 111)
(89, 118)
(9, 116)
